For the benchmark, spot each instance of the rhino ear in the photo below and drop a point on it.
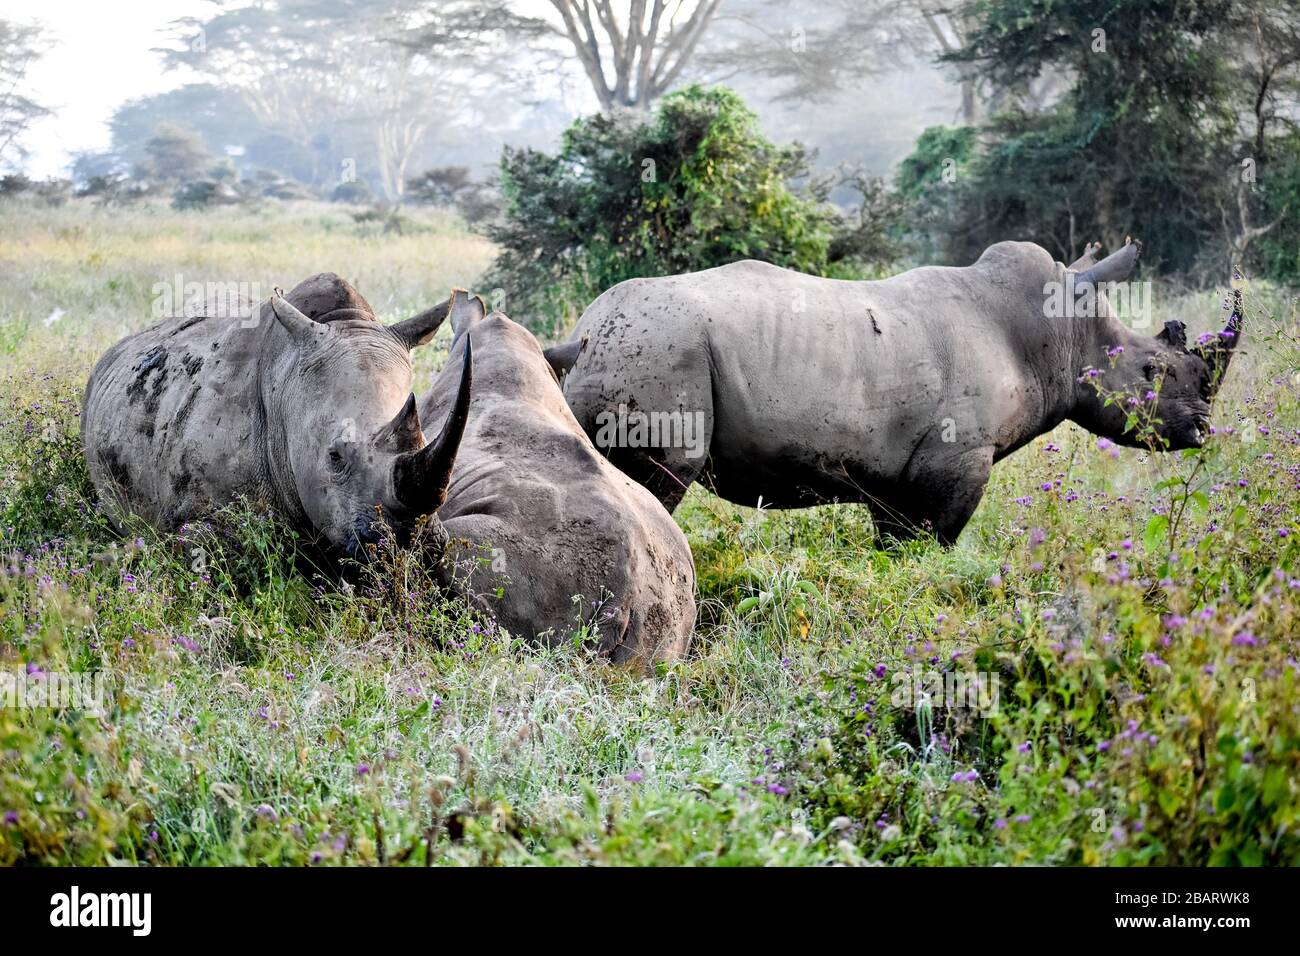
(465, 310)
(1089, 257)
(563, 357)
(300, 328)
(420, 329)
(1174, 334)
(1115, 267)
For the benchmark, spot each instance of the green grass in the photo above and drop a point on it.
(1147, 712)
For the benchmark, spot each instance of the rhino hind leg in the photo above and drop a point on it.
(665, 475)
(938, 498)
(658, 436)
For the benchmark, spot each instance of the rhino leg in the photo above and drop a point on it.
(656, 429)
(938, 497)
(664, 473)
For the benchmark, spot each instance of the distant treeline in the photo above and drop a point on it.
(1170, 121)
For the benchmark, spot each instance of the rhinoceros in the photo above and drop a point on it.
(794, 390)
(545, 534)
(305, 408)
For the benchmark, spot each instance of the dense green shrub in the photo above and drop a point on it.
(1276, 254)
(692, 186)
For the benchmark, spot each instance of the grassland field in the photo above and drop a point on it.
(1137, 615)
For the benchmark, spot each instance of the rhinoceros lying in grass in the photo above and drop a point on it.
(536, 515)
(307, 410)
(768, 384)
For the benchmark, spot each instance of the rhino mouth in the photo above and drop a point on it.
(366, 531)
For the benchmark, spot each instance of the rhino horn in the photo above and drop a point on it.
(420, 329)
(1114, 268)
(404, 430)
(421, 478)
(299, 327)
(1217, 352)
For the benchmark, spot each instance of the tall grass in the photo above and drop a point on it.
(1147, 709)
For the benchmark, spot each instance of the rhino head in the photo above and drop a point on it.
(1162, 369)
(347, 453)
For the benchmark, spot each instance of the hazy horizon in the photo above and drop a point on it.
(114, 45)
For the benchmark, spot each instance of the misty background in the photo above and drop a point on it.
(110, 74)
(846, 137)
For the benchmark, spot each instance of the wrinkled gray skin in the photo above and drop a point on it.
(535, 513)
(900, 394)
(304, 407)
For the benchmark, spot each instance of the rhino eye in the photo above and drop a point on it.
(1149, 370)
(336, 459)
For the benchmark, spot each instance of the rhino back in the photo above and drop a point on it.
(536, 511)
(168, 419)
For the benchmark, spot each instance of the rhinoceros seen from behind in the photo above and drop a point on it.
(306, 408)
(795, 390)
(545, 534)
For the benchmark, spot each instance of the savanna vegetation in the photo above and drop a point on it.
(1104, 670)
(1134, 617)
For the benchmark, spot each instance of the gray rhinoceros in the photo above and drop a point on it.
(304, 407)
(545, 534)
(771, 385)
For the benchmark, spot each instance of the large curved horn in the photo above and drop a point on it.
(299, 327)
(1114, 268)
(421, 478)
(419, 329)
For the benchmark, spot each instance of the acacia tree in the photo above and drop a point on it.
(1268, 39)
(1265, 40)
(836, 45)
(1142, 141)
(643, 52)
(338, 78)
(21, 45)
(631, 52)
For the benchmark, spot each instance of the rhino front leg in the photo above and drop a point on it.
(938, 497)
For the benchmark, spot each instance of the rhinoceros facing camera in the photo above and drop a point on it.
(307, 410)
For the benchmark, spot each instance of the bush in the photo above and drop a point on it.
(14, 184)
(357, 191)
(694, 185)
(452, 186)
(1276, 254)
(204, 192)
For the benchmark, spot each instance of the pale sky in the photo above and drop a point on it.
(100, 58)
